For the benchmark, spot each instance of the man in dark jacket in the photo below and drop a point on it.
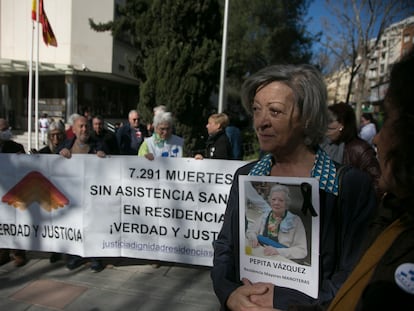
(104, 136)
(131, 135)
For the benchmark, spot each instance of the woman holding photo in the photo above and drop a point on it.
(288, 104)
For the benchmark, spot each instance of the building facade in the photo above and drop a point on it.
(87, 69)
(396, 40)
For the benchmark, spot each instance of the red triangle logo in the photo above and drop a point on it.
(35, 187)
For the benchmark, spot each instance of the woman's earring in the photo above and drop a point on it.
(340, 129)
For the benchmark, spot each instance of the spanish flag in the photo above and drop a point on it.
(48, 35)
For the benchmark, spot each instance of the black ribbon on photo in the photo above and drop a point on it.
(306, 190)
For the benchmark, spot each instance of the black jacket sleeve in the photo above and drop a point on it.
(344, 225)
(225, 272)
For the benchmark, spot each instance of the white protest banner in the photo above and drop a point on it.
(168, 209)
(279, 231)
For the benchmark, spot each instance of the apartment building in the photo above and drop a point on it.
(337, 85)
(87, 69)
(396, 40)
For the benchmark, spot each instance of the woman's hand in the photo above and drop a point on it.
(264, 300)
(270, 250)
(249, 295)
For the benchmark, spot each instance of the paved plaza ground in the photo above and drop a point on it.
(125, 284)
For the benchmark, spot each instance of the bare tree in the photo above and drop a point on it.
(355, 35)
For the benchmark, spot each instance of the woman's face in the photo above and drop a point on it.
(278, 203)
(364, 121)
(276, 119)
(56, 137)
(212, 126)
(164, 130)
(334, 130)
(385, 141)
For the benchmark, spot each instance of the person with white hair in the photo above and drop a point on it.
(131, 135)
(155, 111)
(55, 136)
(279, 231)
(69, 131)
(163, 143)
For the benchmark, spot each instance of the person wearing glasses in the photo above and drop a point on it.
(163, 143)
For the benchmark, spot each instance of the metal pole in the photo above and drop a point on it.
(223, 57)
(35, 27)
(36, 123)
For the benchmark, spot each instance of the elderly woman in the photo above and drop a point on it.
(280, 226)
(55, 136)
(163, 143)
(289, 110)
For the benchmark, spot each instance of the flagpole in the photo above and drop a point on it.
(37, 78)
(223, 57)
(30, 95)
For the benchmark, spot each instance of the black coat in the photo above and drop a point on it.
(107, 139)
(218, 146)
(10, 146)
(382, 291)
(128, 142)
(358, 206)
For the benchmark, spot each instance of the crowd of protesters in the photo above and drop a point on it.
(299, 136)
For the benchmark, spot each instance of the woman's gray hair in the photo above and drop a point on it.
(285, 190)
(308, 88)
(159, 108)
(163, 117)
(56, 126)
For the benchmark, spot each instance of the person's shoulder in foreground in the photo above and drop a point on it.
(383, 278)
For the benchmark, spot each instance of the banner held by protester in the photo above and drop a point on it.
(168, 209)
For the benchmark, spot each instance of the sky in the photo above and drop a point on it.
(316, 11)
